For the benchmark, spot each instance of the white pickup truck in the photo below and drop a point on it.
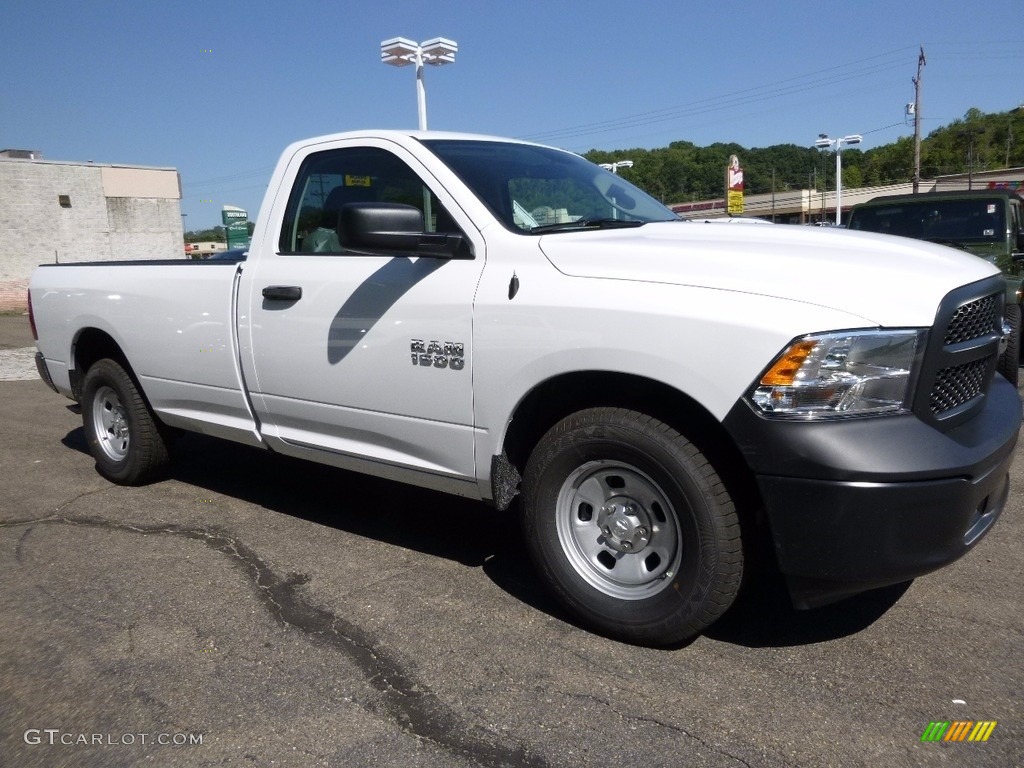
(508, 322)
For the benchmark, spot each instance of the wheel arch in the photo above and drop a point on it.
(90, 345)
(554, 399)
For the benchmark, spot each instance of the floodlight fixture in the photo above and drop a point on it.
(398, 52)
(614, 167)
(401, 52)
(824, 142)
(439, 51)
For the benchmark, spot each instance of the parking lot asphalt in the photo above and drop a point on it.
(287, 614)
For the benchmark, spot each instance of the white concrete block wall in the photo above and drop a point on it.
(35, 229)
(145, 228)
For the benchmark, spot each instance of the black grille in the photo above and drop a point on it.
(958, 385)
(972, 321)
(960, 359)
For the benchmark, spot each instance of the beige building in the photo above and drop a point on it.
(804, 206)
(204, 250)
(62, 212)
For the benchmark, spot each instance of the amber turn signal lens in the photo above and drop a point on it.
(785, 370)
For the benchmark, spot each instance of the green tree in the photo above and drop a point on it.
(214, 235)
(683, 171)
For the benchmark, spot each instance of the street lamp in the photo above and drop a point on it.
(614, 167)
(400, 52)
(824, 142)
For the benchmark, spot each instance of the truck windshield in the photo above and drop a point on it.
(536, 190)
(973, 220)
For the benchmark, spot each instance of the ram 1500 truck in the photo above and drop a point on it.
(508, 322)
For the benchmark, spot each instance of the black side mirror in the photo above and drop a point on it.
(395, 228)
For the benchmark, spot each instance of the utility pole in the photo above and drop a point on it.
(1009, 139)
(1009, 131)
(773, 195)
(917, 120)
(970, 133)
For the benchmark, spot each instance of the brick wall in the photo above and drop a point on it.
(12, 295)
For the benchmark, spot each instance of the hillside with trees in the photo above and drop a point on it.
(683, 171)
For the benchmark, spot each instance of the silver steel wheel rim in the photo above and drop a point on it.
(618, 530)
(110, 423)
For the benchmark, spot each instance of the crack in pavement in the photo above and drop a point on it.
(415, 709)
(652, 720)
(688, 734)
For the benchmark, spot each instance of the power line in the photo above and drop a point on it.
(779, 88)
(233, 177)
(811, 81)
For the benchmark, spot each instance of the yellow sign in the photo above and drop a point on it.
(734, 186)
(358, 181)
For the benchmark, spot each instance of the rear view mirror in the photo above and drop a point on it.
(621, 197)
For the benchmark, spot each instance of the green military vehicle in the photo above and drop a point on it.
(988, 223)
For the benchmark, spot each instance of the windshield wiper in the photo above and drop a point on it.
(586, 224)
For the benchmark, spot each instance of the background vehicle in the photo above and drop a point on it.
(987, 223)
(231, 254)
(508, 322)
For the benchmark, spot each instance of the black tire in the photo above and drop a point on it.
(609, 489)
(123, 435)
(1009, 361)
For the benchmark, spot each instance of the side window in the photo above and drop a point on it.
(328, 180)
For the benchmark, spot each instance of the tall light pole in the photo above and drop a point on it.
(824, 142)
(400, 52)
(614, 168)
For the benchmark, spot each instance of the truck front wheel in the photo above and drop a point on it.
(122, 433)
(1009, 361)
(631, 527)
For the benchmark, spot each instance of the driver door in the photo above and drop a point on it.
(364, 359)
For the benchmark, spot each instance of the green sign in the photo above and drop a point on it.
(230, 216)
(236, 227)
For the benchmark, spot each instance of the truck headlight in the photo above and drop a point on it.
(841, 374)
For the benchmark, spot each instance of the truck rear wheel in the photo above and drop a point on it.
(631, 527)
(122, 433)
(1009, 361)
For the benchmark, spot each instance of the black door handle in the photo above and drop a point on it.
(282, 292)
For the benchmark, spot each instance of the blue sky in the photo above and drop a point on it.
(217, 89)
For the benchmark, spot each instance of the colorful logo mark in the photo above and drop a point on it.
(959, 730)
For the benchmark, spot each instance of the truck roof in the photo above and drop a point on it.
(412, 134)
(924, 197)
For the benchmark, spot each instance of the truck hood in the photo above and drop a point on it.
(889, 281)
